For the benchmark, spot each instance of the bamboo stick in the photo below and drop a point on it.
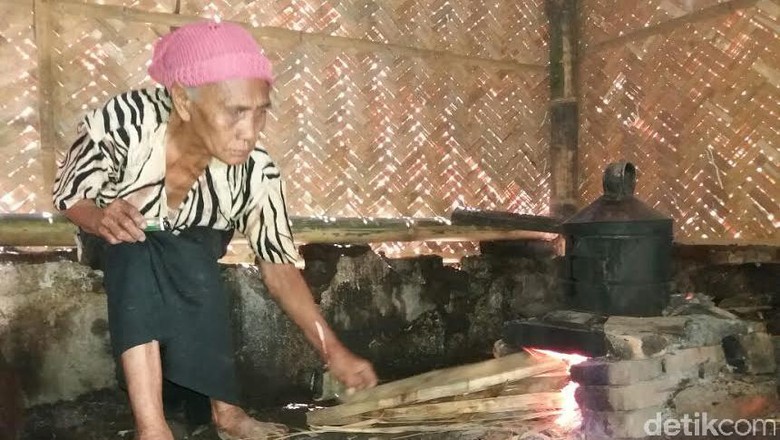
(287, 35)
(553, 381)
(672, 24)
(378, 426)
(482, 372)
(521, 402)
(433, 385)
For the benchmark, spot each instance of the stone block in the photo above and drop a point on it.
(729, 397)
(694, 362)
(753, 353)
(637, 346)
(598, 425)
(611, 372)
(627, 397)
(53, 330)
(639, 338)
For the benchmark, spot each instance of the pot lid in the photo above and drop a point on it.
(618, 203)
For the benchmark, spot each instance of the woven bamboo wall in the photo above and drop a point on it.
(381, 131)
(358, 130)
(695, 107)
(21, 171)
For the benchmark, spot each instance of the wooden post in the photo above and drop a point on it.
(562, 19)
(43, 39)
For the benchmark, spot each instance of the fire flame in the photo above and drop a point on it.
(570, 417)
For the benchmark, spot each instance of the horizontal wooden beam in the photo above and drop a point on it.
(503, 219)
(55, 230)
(671, 25)
(288, 35)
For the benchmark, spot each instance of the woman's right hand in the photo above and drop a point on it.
(120, 222)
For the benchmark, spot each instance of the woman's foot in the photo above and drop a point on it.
(154, 434)
(233, 423)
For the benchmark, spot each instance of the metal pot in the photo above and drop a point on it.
(618, 251)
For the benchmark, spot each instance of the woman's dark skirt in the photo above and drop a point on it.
(169, 289)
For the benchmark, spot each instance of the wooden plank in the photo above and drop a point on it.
(671, 25)
(562, 20)
(287, 35)
(426, 412)
(46, 90)
(434, 385)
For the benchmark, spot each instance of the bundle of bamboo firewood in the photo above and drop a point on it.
(513, 390)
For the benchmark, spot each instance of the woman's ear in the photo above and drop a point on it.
(182, 102)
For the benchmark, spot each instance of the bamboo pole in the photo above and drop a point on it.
(671, 25)
(562, 19)
(56, 230)
(287, 35)
(46, 103)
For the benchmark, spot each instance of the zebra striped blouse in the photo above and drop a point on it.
(120, 153)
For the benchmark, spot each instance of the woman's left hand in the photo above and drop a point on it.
(354, 372)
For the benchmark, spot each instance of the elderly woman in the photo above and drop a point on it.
(164, 176)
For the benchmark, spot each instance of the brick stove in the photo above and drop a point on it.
(659, 363)
(644, 372)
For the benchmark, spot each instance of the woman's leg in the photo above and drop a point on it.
(143, 373)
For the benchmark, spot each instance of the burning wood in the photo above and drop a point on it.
(524, 388)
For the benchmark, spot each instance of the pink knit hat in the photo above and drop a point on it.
(207, 52)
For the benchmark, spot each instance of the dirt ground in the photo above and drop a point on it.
(105, 415)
